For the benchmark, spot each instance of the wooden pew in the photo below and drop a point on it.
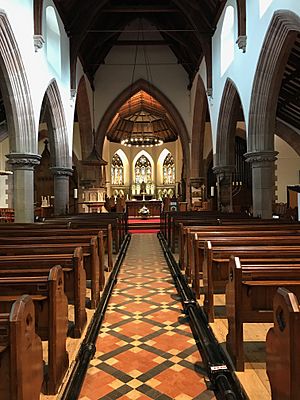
(249, 298)
(216, 259)
(75, 277)
(283, 347)
(76, 241)
(43, 230)
(42, 246)
(21, 353)
(187, 234)
(51, 317)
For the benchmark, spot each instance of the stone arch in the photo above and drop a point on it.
(225, 147)
(16, 92)
(280, 37)
(142, 84)
(84, 118)
(58, 136)
(198, 130)
(228, 116)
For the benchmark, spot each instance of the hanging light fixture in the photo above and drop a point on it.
(141, 132)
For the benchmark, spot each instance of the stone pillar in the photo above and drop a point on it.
(23, 184)
(61, 189)
(263, 181)
(224, 187)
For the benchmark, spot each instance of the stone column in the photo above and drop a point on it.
(23, 184)
(224, 187)
(61, 189)
(263, 181)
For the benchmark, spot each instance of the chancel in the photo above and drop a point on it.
(149, 202)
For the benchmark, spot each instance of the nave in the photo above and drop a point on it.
(145, 348)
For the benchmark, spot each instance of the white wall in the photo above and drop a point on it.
(288, 168)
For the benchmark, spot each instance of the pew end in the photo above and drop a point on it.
(283, 347)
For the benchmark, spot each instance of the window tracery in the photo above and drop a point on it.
(169, 170)
(143, 170)
(117, 170)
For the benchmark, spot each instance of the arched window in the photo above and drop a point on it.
(169, 170)
(53, 40)
(263, 6)
(143, 170)
(117, 170)
(227, 39)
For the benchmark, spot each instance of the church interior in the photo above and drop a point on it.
(150, 197)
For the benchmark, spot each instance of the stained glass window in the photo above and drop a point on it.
(117, 170)
(143, 170)
(169, 170)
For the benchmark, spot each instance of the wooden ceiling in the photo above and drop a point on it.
(142, 115)
(94, 27)
(288, 106)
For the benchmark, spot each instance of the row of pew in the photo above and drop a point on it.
(248, 260)
(44, 271)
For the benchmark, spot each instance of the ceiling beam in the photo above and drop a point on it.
(141, 10)
(140, 43)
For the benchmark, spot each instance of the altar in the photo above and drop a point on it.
(133, 207)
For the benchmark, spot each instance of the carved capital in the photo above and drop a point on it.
(209, 92)
(223, 169)
(61, 171)
(261, 156)
(197, 182)
(23, 160)
(242, 42)
(73, 93)
(38, 41)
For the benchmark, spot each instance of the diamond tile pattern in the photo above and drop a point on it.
(144, 350)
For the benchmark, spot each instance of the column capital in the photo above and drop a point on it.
(197, 181)
(261, 156)
(23, 160)
(61, 171)
(223, 169)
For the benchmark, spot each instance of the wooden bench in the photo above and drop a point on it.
(21, 353)
(187, 234)
(216, 259)
(283, 347)
(51, 317)
(249, 298)
(44, 231)
(81, 240)
(75, 277)
(41, 246)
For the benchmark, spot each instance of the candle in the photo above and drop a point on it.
(212, 191)
(75, 193)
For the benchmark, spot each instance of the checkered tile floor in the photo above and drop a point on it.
(145, 350)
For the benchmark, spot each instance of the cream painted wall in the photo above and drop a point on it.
(288, 168)
(166, 74)
(76, 141)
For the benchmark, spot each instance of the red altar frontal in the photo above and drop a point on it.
(133, 207)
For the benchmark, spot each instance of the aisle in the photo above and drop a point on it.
(144, 351)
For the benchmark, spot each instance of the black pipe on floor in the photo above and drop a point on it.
(88, 348)
(223, 379)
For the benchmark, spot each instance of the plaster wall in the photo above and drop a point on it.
(288, 168)
(118, 73)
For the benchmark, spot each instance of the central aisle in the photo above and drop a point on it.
(143, 351)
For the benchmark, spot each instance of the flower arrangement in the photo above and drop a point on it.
(144, 212)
